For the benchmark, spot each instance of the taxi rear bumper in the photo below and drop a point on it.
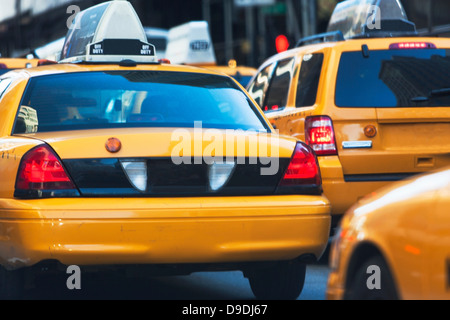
(341, 192)
(162, 231)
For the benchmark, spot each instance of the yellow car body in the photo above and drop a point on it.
(374, 146)
(406, 228)
(18, 63)
(7, 64)
(142, 230)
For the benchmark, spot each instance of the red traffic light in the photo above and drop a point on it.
(282, 43)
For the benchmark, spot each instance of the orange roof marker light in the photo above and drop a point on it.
(111, 32)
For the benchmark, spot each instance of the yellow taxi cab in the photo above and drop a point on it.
(7, 64)
(372, 101)
(110, 158)
(191, 44)
(395, 243)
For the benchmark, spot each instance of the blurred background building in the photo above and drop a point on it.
(245, 30)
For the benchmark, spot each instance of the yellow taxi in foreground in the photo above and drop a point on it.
(395, 244)
(374, 107)
(107, 161)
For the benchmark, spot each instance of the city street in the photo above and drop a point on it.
(198, 286)
(149, 149)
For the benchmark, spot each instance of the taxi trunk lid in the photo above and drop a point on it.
(396, 110)
(420, 137)
(175, 162)
(407, 141)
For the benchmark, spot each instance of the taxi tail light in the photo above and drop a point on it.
(320, 135)
(41, 171)
(303, 170)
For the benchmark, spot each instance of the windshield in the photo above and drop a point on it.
(98, 100)
(394, 78)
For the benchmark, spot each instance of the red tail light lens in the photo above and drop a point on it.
(41, 170)
(320, 135)
(303, 168)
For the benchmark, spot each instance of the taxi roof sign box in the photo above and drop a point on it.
(191, 44)
(108, 32)
(371, 18)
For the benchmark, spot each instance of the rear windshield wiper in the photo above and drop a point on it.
(440, 92)
(434, 93)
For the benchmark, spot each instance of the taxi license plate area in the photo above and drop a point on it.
(106, 178)
(416, 136)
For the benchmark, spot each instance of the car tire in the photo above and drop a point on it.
(283, 281)
(11, 284)
(359, 288)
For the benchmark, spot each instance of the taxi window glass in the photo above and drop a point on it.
(258, 88)
(243, 80)
(4, 84)
(3, 71)
(98, 100)
(394, 78)
(308, 81)
(277, 94)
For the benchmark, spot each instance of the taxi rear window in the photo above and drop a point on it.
(100, 100)
(394, 78)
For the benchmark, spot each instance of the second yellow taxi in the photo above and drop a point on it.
(395, 243)
(369, 96)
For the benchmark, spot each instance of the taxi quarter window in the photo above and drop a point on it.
(4, 84)
(259, 86)
(394, 78)
(309, 78)
(277, 94)
(98, 100)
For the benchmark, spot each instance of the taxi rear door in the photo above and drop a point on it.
(403, 127)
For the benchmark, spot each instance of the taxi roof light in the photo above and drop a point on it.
(371, 18)
(191, 44)
(109, 33)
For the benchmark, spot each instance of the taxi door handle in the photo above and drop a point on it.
(425, 162)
